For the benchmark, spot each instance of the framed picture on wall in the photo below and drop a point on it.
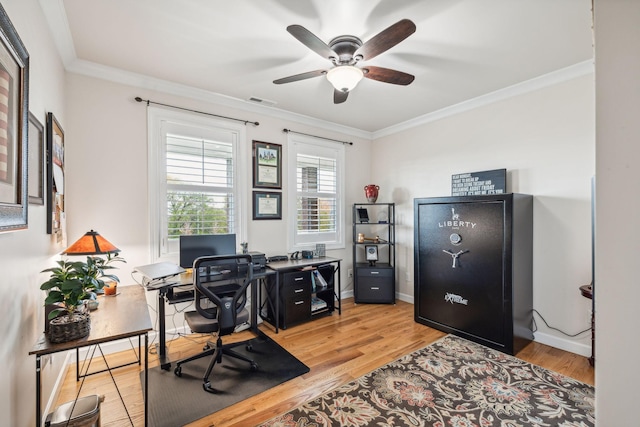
(36, 161)
(267, 165)
(267, 205)
(14, 86)
(55, 177)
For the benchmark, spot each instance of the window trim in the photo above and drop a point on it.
(157, 181)
(314, 146)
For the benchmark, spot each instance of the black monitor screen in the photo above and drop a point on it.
(196, 246)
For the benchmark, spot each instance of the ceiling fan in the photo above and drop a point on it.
(347, 51)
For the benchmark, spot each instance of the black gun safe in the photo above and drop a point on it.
(473, 268)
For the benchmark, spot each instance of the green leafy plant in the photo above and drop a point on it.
(72, 282)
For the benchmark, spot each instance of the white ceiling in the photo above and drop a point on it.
(462, 49)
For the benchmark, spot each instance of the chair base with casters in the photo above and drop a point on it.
(200, 324)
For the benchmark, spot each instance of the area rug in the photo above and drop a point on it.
(176, 401)
(451, 383)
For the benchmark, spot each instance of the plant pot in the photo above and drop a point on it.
(61, 329)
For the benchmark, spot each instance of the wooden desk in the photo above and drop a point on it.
(122, 316)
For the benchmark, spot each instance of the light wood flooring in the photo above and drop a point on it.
(337, 348)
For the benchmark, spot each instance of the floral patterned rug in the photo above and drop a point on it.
(451, 383)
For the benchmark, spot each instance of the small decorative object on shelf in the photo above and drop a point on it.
(371, 192)
(372, 254)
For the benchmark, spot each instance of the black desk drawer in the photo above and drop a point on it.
(296, 278)
(295, 297)
(375, 285)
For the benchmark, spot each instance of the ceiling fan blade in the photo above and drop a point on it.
(388, 75)
(311, 41)
(302, 76)
(339, 96)
(386, 39)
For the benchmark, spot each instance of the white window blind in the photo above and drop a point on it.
(194, 185)
(200, 186)
(316, 192)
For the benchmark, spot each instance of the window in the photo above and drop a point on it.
(194, 181)
(316, 188)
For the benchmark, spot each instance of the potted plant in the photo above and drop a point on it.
(70, 284)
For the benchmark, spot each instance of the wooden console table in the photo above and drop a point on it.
(122, 316)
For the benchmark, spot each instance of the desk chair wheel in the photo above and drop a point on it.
(249, 347)
(254, 366)
(207, 387)
(178, 371)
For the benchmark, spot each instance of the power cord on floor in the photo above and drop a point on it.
(535, 326)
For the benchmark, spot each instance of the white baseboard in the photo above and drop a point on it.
(405, 297)
(346, 294)
(562, 344)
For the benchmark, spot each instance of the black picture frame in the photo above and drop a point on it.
(363, 215)
(267, 165)
(267, 205)
(37, 161)
(55, 177)
(14, 77)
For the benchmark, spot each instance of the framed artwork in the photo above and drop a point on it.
(36, 161)
(372, 254)
(14, 103)
(267, 165)
(267, 205)
(55, 177)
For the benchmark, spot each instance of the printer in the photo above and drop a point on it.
(258, 259)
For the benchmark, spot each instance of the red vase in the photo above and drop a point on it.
(371, 192)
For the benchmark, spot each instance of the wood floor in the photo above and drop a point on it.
(337, 348)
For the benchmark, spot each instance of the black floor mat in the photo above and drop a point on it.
(175, 401)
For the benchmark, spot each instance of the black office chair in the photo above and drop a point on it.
(221, 281)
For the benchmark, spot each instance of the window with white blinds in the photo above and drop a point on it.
(200, 191)
(196, 186)
(316, 196)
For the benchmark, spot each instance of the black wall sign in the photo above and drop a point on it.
(479, 183)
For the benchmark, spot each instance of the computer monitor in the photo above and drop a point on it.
(198, 245)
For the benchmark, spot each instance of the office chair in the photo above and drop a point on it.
(221, 281)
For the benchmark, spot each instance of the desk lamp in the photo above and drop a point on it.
(92, 243)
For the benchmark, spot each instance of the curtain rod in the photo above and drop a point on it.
(315, 136)
(196, 111)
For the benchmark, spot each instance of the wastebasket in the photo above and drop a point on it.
(86, 413)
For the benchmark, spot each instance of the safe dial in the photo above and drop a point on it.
(455, 238)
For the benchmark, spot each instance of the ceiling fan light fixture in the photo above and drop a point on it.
(345, 77)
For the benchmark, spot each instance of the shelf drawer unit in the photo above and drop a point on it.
(375, 284)
(374, 253)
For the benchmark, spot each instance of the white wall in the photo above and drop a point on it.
(107, 178)
(545, 140)
(617, 37)
(23, 254)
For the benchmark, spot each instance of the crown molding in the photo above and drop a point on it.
(55, 14)
(56, 17)
(565, 74)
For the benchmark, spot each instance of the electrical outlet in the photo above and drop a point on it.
(350, 273)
